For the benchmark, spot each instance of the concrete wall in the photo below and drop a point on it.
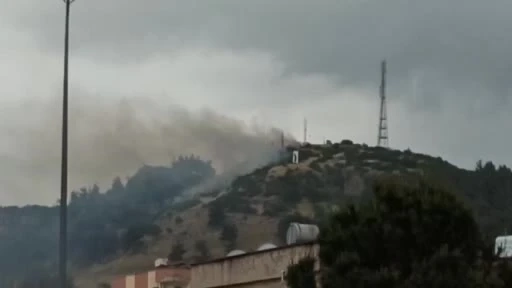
(172, 277)
(150, 279)
(257, 269)
(119, 282)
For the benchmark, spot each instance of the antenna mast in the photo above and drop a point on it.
(305, 130)
(382, 139)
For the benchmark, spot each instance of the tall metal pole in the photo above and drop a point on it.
(63, 241)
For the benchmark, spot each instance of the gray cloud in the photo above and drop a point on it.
(109, 139)
(461, 43)
(277, 61)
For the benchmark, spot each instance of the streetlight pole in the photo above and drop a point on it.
(63, 241)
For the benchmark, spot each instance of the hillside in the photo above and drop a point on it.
(124, 229)
(262, 203)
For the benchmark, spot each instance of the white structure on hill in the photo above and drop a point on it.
(505, 244)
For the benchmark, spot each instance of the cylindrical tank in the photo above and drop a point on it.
(161, 262)
(235, 253)
(298, 233)
(266, 246)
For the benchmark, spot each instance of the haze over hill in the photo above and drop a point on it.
(147, 217)
(110, 139)
(448, 70)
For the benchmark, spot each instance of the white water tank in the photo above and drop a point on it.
(295, 157)
(161, 262)
(266, 246)
(298, 233)
(235, 252)
(505, 243)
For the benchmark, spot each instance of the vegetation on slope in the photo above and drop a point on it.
(331, 175)
(145, 212)
(101, 225)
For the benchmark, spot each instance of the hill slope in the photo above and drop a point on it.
(261, 204)
(124, 229)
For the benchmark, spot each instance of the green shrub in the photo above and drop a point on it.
(216, 215)
(177, 252)
(202, 249)
(285, 188)
(305, 154)
(213, 193)
(312, 188)
(229, 235)
(235, 203)
(247, 185)
(131, 239)
(274, 208)
(185, 205)
(302, 274)
(315, 165)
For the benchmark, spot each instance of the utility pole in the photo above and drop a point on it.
(63, 236)
(382, 138)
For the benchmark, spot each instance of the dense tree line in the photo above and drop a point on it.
(101, 224)
(106, 223)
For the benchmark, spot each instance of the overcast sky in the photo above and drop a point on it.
(269, 62)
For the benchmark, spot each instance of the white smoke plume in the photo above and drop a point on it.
(109, 139)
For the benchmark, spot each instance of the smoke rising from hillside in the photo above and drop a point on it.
(109, 138)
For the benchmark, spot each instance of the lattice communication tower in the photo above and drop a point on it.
(383, 139)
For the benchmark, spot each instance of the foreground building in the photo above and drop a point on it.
(265, 267)
(261, 268)
(163, 277)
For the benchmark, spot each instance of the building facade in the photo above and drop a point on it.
(264, 268)
(164, 277)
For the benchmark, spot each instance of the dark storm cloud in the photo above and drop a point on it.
(456, 44)
(281, 60)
